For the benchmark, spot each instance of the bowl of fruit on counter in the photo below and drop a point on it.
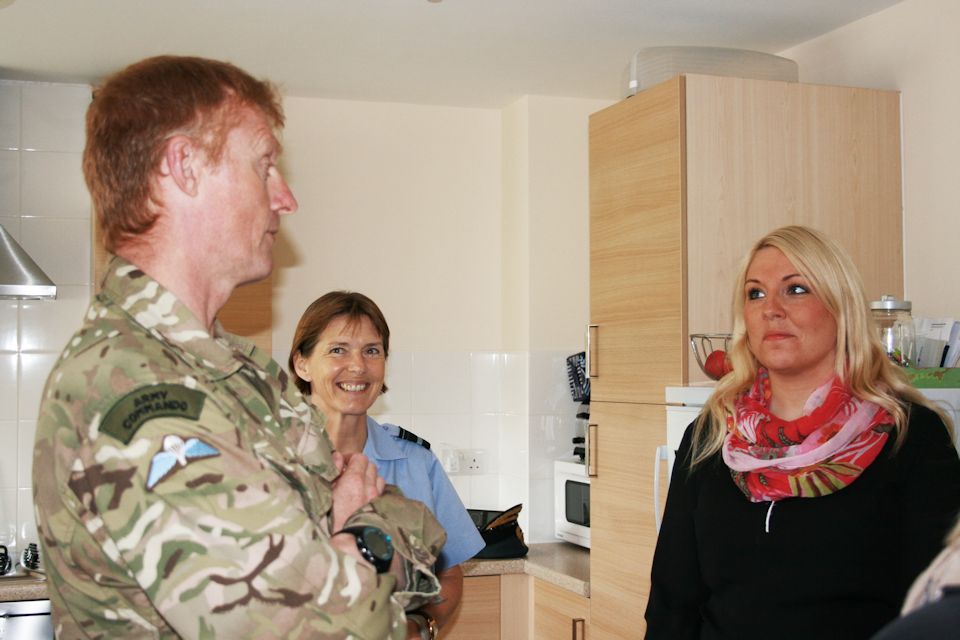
(710, 350)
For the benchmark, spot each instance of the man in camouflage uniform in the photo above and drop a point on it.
(183, 487)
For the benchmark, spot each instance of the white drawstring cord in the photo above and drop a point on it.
(766, 525)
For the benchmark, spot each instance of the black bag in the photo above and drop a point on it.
(501, 533)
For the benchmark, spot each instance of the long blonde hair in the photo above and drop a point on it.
(861, 362)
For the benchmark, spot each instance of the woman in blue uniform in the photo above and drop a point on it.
(338, 360)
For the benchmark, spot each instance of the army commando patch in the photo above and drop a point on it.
(125, 418)
(175, 455)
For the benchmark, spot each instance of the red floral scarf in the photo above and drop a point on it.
(822, 451)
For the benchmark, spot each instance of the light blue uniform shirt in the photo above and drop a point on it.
(421, 477)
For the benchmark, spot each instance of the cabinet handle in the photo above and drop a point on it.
(591, 355)
(591, 445)
(583, 629)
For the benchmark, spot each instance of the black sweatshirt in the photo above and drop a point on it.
(836, 566)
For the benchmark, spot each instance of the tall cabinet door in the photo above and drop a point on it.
(637, 287)
(761, 155)
(623, 530)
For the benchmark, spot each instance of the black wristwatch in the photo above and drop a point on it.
(374, 545)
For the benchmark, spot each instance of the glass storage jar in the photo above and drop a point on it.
(896, 328)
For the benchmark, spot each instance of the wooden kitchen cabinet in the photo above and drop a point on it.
(478, 616)
(684, 177)
(559, 614)
(622, 522)
(492, 607)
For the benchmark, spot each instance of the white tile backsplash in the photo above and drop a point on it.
(541, 528)
(484, 400)
(26, 430)
(514, 449)
(549, 388)
(47, 325)
(53, 116)
(61, 246)
(452, 428)
(51, 185)
(9, 116)
(44, 205)
(9, 183)
(485, 492)
(8, 386)
(8, 464)
(462, 485)
(9, 340)
(514, 383)
(26, 516)
(34, 369)
(9, 523)
(514, 489)
(485, 379)
(485, 434)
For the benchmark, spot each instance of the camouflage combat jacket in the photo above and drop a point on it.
(183, 489)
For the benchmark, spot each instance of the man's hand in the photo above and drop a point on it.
(357, 484)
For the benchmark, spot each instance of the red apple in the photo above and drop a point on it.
(717, 364)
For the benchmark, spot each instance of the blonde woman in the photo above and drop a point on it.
(817, 483)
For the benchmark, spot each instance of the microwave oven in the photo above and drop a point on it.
(571, 504)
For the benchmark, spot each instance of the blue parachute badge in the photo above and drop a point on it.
(176, 454)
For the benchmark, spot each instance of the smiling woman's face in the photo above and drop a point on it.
(789, 329)
(346, 368)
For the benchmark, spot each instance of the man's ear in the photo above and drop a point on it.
(181, 163)
(300, 366)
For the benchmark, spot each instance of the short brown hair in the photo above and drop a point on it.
(137, 109)
(321, 313)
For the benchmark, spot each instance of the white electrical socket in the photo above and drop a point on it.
(471, 462)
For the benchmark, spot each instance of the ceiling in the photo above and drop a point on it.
(482, 53)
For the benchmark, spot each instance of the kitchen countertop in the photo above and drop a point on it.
(560, 563)
(23, 587)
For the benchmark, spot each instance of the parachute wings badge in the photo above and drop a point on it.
(176, 454)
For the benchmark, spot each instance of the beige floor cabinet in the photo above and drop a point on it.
(559, 614)
(684, 177)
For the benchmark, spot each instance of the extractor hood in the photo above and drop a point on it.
(20, 277)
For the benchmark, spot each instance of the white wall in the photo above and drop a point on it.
(44, 205)
(546, 283)
(469, 229)
(401, 202)
(912, 47)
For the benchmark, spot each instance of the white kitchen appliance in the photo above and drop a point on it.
(683, 406)
(571, 506)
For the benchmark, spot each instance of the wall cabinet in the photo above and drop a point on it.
(559, 614)
(684, 178)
